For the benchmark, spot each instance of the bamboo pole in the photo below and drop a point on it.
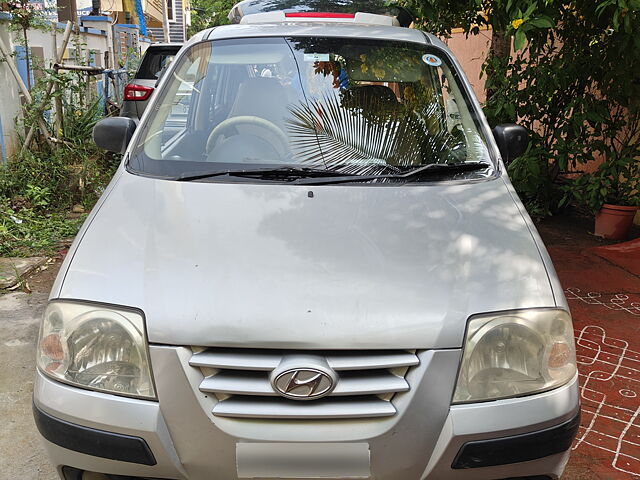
(50, 88)
(58, 110)
(65, 41)
(88, 80)
(24, 89)
(80, 68)
(57, 101)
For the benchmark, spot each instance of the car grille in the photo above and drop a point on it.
(239, 379)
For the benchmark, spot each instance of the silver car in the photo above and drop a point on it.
(310, 264)
(138, 91)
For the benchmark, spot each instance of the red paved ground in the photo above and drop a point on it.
(602, 285)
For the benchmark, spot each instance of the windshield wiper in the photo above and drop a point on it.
(285, 171)
(316, 176)
(429, 169)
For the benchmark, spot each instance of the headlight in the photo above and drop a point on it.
(514, 354)
(96, 347)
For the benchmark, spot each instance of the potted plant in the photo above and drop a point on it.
(612, 193)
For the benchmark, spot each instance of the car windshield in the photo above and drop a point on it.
(348, 105)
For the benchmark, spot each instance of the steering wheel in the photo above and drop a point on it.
(232, 122)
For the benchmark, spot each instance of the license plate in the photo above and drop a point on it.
(303, 460)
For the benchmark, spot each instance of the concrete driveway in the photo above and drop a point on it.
(22, 456)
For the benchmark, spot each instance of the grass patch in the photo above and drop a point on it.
(27, 234)
(44, 196)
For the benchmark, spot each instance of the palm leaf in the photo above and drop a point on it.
(360, 138)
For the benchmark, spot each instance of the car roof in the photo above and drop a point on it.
(318, 29)
(377, 7)
(165, 45)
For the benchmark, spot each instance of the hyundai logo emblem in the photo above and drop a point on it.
(303, 383)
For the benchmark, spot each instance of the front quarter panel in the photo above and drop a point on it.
(64, 268)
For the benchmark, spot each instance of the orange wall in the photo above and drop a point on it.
(471, 52)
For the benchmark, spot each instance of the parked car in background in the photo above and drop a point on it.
(311, 263)
(138, 92)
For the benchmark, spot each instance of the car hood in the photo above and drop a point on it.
(327, 267)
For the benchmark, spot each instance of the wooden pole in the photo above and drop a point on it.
(58, 107)
(24, 89)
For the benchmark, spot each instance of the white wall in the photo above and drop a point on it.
(10, 96)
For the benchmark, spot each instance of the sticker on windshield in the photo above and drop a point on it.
(316, 57)
(431, 60)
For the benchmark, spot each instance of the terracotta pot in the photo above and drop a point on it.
(614, 221)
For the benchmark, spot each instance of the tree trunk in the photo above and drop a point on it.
(500, 50)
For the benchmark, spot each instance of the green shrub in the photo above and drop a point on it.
(55, 181)
(46, 188)
(571, 80)
(38, 192)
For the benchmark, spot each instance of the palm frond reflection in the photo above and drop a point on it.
(367, 131)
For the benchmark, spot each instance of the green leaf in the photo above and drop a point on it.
(530, 10)
(519, 40)
(542, 22)
(600, 9)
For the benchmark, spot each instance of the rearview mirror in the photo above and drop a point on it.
(114, 133)
(512, 141)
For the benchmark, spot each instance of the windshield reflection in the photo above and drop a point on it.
(354, 106)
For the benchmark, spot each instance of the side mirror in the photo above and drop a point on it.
(114, 133)
(512, 141)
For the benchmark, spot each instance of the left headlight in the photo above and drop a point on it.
(96, 347)
(518, 353)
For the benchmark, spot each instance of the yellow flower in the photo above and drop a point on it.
(516, 23)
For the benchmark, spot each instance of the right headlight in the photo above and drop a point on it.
(97, 347)
(514, 354)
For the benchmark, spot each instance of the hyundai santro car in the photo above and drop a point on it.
(310, 264)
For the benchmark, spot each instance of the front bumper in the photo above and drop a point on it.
(426, 439)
